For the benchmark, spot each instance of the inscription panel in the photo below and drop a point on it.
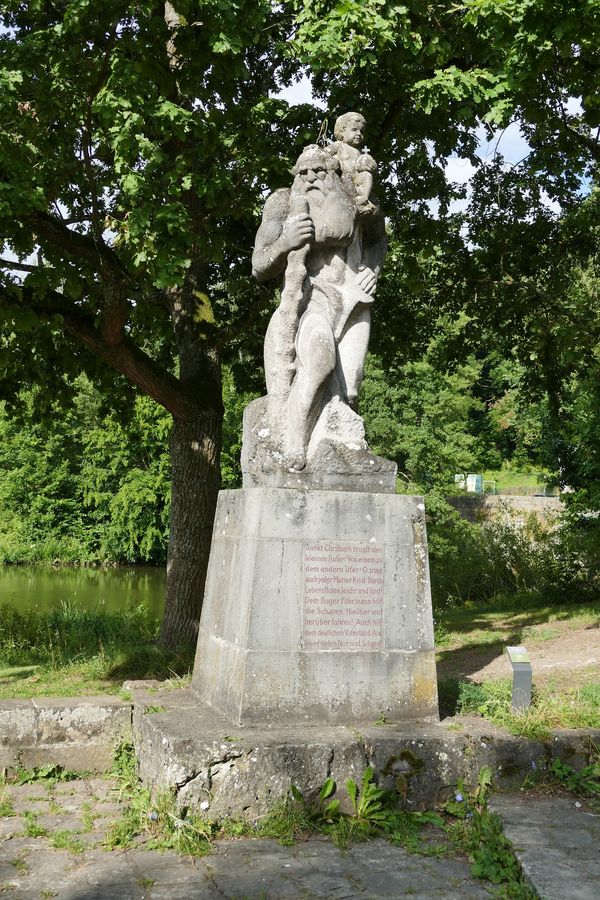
(343, 595)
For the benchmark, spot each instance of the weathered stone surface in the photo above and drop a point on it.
(556, 840)
(330, 465)
(326, 238)
(287, 637)
(74, 732)
(241, 772)
(244, 869)
(507, 508)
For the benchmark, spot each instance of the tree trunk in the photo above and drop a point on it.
(196, 474)
(195, 453)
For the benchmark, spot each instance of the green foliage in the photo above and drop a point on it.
(551, 708)
(67, 840)
(507, 557)
(585, 781)
(487, 698)
(83, 485)
(288, 820)
(374, 812)
(234, 401)
(79, 649)
(155, 820)
(419, 415)
(49, 774)
(137, 213)
(32, 829)
(479, 833)
(7, 808)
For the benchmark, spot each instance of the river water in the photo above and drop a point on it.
(45, 587)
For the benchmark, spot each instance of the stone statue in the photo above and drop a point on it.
(326, 237)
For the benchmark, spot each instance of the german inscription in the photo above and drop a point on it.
(343, 596)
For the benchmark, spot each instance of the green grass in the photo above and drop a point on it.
(477, 633)
(516, 483)
(67, 840)
(32, 829)
(6, 805)
(515, 619)
(72, 650)
(552, 707)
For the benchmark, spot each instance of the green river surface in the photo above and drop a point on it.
(46, 587)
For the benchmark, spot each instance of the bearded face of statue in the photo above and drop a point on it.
(317, 178)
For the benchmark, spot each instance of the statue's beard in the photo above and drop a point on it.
(323, 197)
(316, 191)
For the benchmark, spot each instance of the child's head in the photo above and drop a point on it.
(349, 129)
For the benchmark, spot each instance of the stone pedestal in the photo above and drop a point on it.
(317, 609)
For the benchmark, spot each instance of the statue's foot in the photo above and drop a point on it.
(294, 459)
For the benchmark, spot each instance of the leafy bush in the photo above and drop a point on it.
(82, 485)
(507, 557)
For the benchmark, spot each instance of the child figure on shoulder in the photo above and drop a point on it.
(358, 168)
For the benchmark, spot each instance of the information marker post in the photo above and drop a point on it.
(522, 677)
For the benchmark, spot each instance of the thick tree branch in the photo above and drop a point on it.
(137, 367)
(76, 245)
(125, 358)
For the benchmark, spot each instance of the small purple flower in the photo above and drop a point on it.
(533, 764)
(459, 797)
(153, 815)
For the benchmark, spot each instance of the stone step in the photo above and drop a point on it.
(556, 839)
(227, 770)
(78, 733)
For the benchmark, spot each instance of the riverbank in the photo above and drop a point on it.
(70, 650)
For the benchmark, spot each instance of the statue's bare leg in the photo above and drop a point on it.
(352, 350)
(315, 360)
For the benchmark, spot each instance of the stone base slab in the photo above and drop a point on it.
(78, 733)
(243, 772)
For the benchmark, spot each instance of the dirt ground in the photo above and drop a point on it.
(560, 651)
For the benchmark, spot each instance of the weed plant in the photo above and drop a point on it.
(76, 650)
(67, 840)
(374, 813)
(49, 774)
(154, 820)
(478, 833)
(585, 782)
(6, 805)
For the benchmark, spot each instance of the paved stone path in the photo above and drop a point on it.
(557, 841)
(78, 814)
(51, 847)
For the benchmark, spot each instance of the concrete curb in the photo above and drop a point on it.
(77, 733)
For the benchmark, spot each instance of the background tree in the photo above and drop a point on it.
(135, 141)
